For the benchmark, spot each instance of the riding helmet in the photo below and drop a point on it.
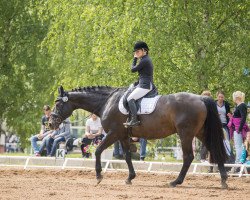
(140, 45)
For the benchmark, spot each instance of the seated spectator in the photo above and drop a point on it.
(13, 139)
(59, 135)
(44, 130)
(93, 134)
(12, 143)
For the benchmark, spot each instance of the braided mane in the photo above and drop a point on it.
(94, 89)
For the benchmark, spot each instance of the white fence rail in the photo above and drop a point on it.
(28, 162)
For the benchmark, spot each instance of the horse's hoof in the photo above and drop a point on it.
(99, 179)
(224, 186)
(128, 182)
(172, 184)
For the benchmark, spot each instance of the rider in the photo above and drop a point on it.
(144, 66)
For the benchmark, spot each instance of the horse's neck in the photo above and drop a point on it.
(91, 102)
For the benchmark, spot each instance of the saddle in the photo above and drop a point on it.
(145, 105)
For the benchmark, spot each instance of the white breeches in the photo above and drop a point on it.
(138, 93)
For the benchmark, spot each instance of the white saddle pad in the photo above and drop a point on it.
(147, 105)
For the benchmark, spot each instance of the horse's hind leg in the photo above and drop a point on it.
(126, 149)
(188, 156)
(222, 170)
(223, 174)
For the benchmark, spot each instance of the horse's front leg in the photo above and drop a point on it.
(126, 149)
(109, 140)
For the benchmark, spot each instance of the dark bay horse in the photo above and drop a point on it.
(187, 114)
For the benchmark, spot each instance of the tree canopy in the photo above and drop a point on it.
(194, 45)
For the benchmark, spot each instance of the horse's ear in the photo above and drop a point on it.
(61, 91)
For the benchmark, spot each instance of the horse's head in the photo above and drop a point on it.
(62, 109)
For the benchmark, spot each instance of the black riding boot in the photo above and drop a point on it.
(134, 120)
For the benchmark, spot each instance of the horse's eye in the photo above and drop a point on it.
(58, 120)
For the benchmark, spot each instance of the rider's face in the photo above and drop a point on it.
(139, 53)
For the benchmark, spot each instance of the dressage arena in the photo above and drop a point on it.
(29, 179)
(80, 184)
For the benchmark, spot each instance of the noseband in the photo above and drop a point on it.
(57, 113)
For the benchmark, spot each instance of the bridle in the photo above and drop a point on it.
(59, 116)
(56, 112)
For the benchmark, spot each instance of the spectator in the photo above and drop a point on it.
(12, 143)
(93, 134)
(223, 108)
(44, 130)
(13, 139)
(247, 146)
(118, 152)
(245, 156)
(59, 135)
(143, 145)
(237, 124)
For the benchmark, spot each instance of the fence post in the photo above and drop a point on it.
(65, 163)
(150, 166)
(27, 162)
(195, 167)
(106, 166)
(241, 170)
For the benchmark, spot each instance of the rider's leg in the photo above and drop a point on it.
(136, 94)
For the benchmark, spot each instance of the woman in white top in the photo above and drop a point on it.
(93, 133)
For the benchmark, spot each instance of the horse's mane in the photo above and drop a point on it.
(95, 89)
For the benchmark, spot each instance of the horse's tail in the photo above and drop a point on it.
(213, 133)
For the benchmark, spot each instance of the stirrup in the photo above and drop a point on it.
(131, 124)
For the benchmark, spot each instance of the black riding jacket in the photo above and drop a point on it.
(145, 70)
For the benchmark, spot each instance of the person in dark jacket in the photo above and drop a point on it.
(144, 66)
(223, 108)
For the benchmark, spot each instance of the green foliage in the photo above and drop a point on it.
(194, 45)
(24, 82)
